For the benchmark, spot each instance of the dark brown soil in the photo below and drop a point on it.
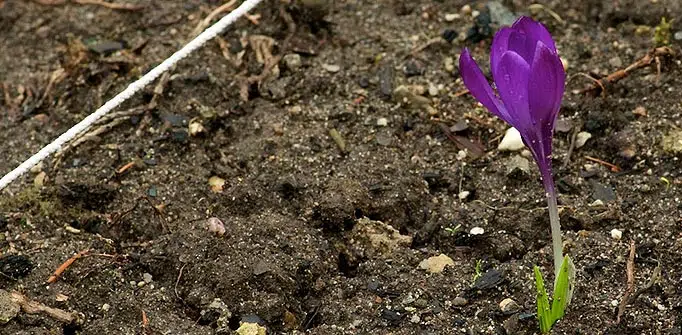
(296, 255)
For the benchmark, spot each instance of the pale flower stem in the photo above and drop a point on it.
(557, 245)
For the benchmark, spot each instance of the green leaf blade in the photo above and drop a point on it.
(563, 289)
(544, 312)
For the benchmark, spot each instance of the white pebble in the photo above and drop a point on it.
(332, 68)
(477, 231)
(382, 122)
(616, 234)
(463, 195)
(451, 17)
(216, 226)
(511, 141)
(581, 138)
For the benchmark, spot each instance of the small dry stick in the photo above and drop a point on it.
(34, 307)
(145, 322)
(177, 281)
(53, 278)
(651, 57)
(207, 20)
(630, 269)
(614, 168)
(110, 5)
(125, 168)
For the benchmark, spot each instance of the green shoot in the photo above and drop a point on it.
(563, 292)
(453, 231)
(662, 32)
(478, 272)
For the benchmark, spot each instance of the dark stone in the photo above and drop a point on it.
(602, 192)
(413, 68)
(391, 316)
(152, 191)
(481, 29)
(490, 279)
(15, 266)
(253, 318)
(449, 35)
(179, 135)
(107, 47)
(363, 82)
(386, 80)
(460, 127)
(597, 266)
(175, 120)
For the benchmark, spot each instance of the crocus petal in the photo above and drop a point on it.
(479, 87)
(511, 77)
(499, 46)
(545, 86)
(522, 44)
(535, 30)
(545, 90)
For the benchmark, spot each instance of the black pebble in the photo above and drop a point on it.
(15, 266)
(449, 35)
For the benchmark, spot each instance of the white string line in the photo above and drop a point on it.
(133, 88)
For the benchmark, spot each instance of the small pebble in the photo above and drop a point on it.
(511, 141)
(292, 61)
(466, 9)
(147, 277)
(433, 90)
(477, 231)
(382, 122)
(508, 306)
(216, 226)
(463, 195)
(616, 62)
(459, 301)
(106, 307)
(449, 64)
(436, 264)
(331, 68)
(616, 234)
(452, 17)
(582, 138)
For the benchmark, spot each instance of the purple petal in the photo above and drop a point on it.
(523, 45)
(535, 30)
(499, 46)
(511, 78)
(479, 87)
(545, 90)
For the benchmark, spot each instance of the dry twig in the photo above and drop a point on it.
(53, 278)
(631, 282)
(110, 5)
(614, 168)
(211, 16)
(33, 307)
(651, 57)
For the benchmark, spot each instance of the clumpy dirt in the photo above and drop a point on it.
(338, 182)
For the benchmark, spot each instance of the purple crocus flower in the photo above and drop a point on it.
(530, 79)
